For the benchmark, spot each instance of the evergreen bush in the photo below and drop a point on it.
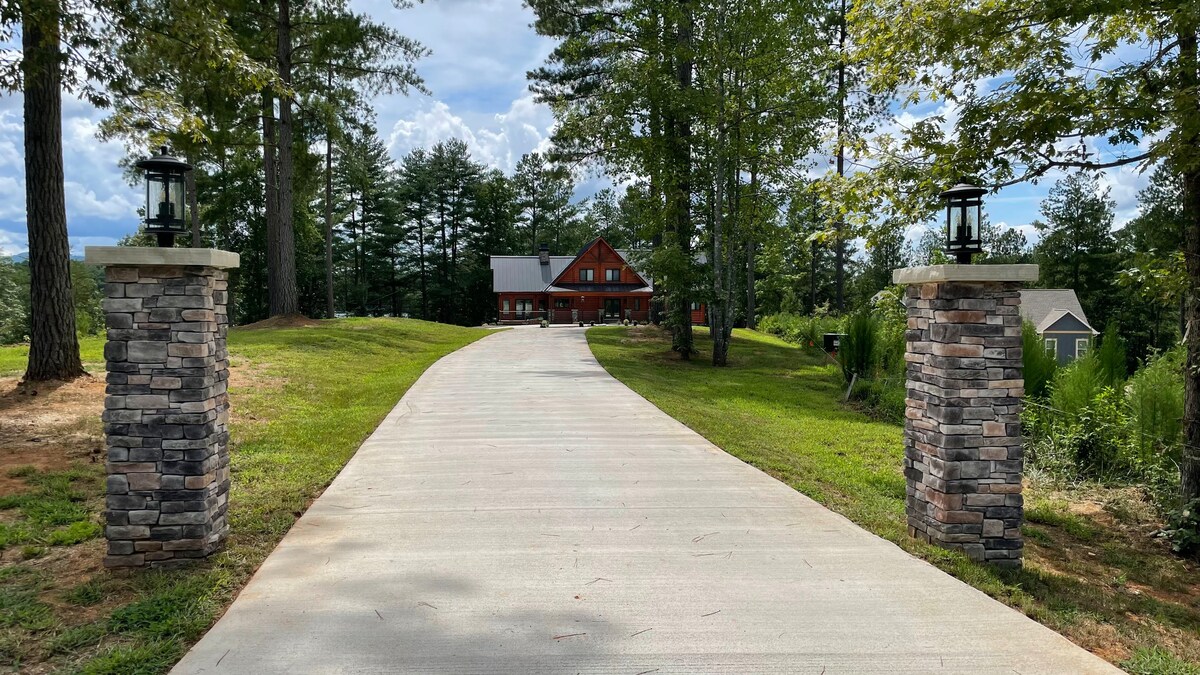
(1039, 365)
(859, 346)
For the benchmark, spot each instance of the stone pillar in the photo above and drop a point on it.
(963, 453)
(166, 413)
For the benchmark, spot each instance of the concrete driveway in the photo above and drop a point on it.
(521, 511)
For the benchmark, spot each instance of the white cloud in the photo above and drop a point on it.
(526, 126)
(12, 243)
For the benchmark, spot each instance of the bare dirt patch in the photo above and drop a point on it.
(49, 426)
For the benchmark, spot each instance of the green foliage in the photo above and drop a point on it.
(858, 350)
(147, 658)
(1086, 429)
(56, 511)
(86, 594)
(806, 331)
(78, 531)
(79, 637)
(1039, 365)
(1183, 529)
(1157, 661)
(14, 292)
(1155, 399)
(1056, 514)
(1075, 386)
(1110, 358)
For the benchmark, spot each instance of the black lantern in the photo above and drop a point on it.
(964, 215)
(165, 194)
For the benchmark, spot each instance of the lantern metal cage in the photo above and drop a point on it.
(165, 196)
(964, 221)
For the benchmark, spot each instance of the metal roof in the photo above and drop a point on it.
(1044, 306)
(527, 274)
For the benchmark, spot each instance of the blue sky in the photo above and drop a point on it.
(476, 74)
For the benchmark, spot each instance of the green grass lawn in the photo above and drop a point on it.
(91, 350)
(302, 400)
(779, 407)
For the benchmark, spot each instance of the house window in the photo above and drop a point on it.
(612, 275)
(637, 304)
(1052, 347)
(587, 274)
(1082, 345)
(561, 303)
(524, 308)
(695, 307)
(506, 306)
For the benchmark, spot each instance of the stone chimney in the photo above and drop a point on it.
(544, 254)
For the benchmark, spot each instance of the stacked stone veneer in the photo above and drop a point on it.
(166, 413)
(962, 438)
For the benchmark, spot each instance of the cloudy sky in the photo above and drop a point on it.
(476, 74)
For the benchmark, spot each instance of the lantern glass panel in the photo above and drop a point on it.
(971, 212)
(954, 227)
(165, 200)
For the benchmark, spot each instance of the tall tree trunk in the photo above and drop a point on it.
(53, 344)
(751, 251)
(271, 192)
(283, 263)
(839, 233)
(424, 269)
(1189, 68)
(720, 342)
(679, 298)
(330, 310)
(193, 202)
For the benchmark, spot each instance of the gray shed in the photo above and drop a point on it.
(1059, 319)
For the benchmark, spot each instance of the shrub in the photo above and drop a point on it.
(806, 331)
(1039, 365)
(1110, 357)
(1154, 398)
(1075, 387)
(858, 347)
(1183, 529)
(883, 399)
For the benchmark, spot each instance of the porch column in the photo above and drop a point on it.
(963, 453)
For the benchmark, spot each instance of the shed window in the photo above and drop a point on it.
(1052, 346)
(587, 274)
(1082, 345)
(695, 307)
(612, 275)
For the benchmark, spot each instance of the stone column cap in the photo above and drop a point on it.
(133, 256)
(934, 274)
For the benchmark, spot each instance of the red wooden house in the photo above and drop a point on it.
(595, 286)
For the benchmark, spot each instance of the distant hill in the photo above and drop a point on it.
(24, 256)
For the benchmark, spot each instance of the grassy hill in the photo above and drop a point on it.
(302, 400)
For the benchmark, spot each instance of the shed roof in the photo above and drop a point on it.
(1043, 307)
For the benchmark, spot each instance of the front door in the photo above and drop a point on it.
(612, 308)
